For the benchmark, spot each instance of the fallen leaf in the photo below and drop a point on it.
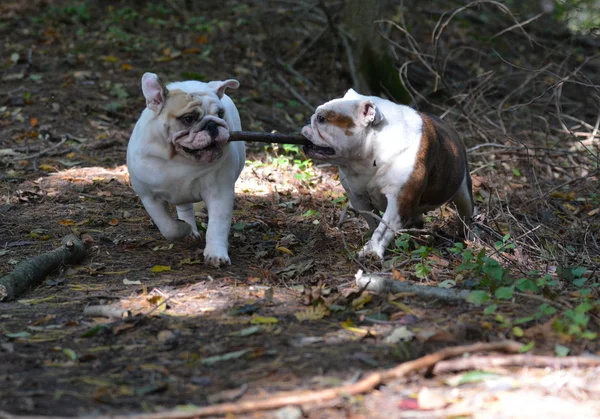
(46, 167)
(113, 222)
(285, 250)
(18, 335)
(93, 331)
(160, 268)
(263, 320)
(438, 261)
(189, 261)
(32, 302)
(87, 239)
(191, 51)
(202, 39)
(397, 275)
(126, 67)
(313, 313)
(430, 400)
(70, 353)
(246, 332)
(110, 58)
(348, 325)
(158, 301)
(360, 302)
(66, 222)
(166, 336)
(399, 334)
(33, 121)
(225, 357)
(129, 282)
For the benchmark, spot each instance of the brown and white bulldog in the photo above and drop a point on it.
(178, 154)
(392, 159)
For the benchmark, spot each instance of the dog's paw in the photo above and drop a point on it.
(371, 250)
(216, 256)
(194, 236)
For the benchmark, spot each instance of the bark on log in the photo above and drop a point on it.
(35, 269)
(267, 137)
(383, 285)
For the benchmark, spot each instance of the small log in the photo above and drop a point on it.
(383, 285)
(106, 310)
(268, 137)
(33, 270)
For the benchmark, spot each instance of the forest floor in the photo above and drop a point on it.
(287, 314)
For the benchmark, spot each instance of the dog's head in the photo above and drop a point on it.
(191, 115)
(339, 128)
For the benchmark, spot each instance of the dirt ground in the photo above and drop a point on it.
(286, 315)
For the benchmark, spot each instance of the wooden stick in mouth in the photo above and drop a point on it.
(267, 137)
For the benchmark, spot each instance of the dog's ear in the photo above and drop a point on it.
(155, 92)
(368, 113)
(351, 94)
(220, 86)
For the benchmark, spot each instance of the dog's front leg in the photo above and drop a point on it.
(220, 212)
(170, 228)
(385, 232)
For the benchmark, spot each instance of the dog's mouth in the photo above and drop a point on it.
(313, 149)
(196, 151)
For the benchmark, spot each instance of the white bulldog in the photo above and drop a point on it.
(178, 154)
(392, 159)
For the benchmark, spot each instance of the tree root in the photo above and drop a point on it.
(267, 137)
(35, 269)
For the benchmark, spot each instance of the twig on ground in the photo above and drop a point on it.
(383, 285)
(106, 310)
(525, 360)
(41, 153)
(268, 137)
(518, 25)
(33, 270)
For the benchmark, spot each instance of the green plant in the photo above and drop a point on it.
(495, 283)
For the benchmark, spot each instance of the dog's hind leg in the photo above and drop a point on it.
(186, 213)
(170, 228)
(463, 199)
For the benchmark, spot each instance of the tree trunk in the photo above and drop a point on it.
(376, 71)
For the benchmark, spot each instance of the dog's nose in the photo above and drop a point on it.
(213, 129)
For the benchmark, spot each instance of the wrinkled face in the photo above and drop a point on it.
(196, 125)
(337, 129)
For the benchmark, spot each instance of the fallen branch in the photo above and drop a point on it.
(382, 285)
(267, 137)
(41, 153)
(533, 361)
(106, 310)
(33, 270)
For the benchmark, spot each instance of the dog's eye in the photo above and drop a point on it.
(189, 118)
(321, 119)
(221, 113)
